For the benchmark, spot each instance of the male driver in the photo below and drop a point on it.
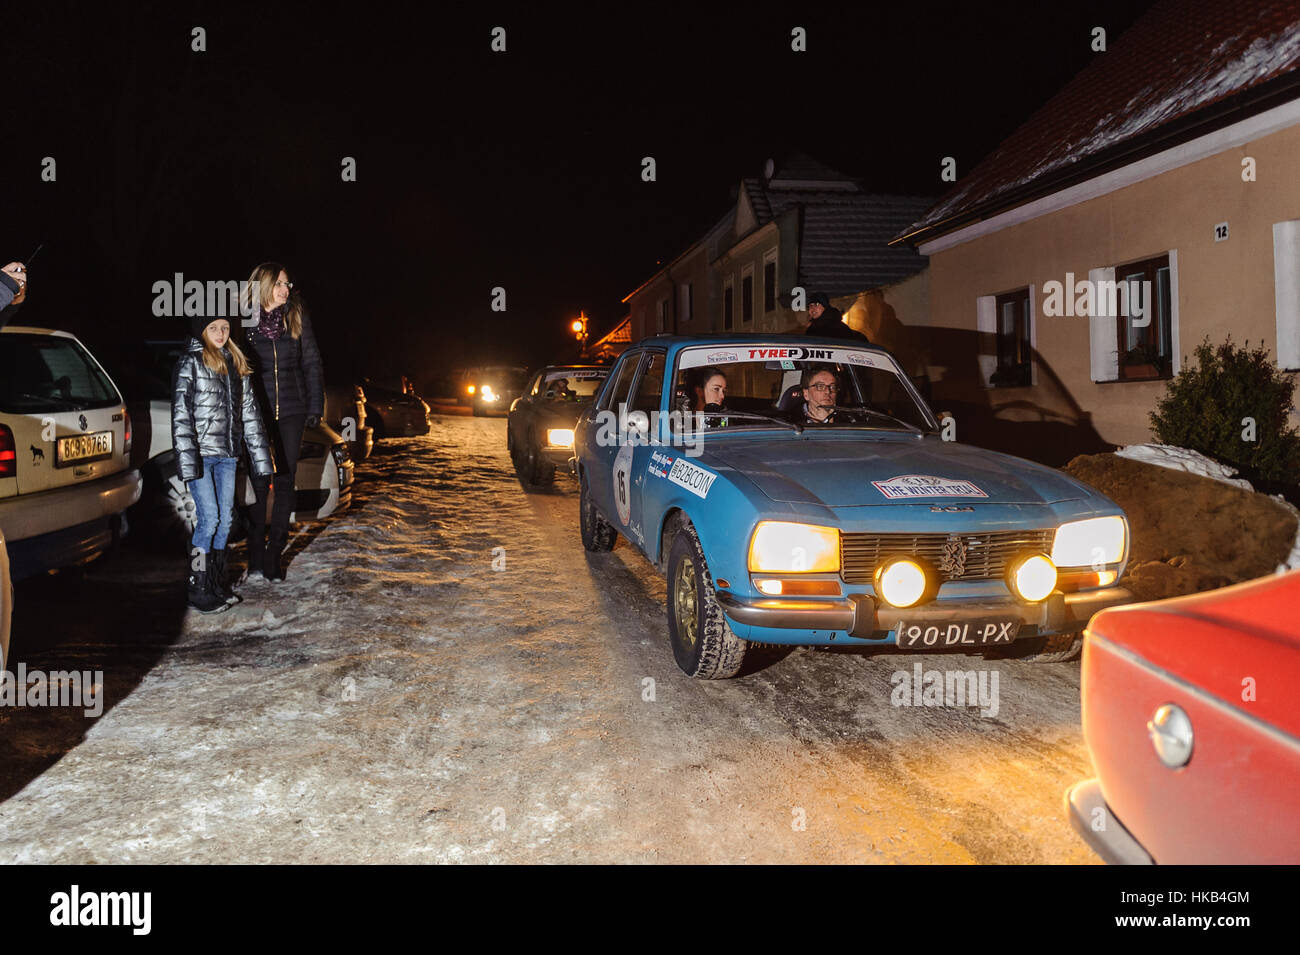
(820, 394)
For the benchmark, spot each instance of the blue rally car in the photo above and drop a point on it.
(798, 490)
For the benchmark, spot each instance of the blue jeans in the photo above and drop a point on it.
(214, 503)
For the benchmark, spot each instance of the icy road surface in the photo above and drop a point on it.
(399, 700)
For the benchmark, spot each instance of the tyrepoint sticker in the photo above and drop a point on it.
(925, 485)
(692, 477)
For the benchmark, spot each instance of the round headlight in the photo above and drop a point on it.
(902, 582)
(1033, 578)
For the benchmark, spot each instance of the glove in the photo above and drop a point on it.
(313, 420)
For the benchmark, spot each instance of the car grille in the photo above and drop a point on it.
(978, 556)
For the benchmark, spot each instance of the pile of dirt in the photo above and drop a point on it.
(1190, 533)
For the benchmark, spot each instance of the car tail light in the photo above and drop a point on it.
(8, 453)
(126, 427)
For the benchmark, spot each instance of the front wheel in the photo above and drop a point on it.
(597, 533)
(702, 640)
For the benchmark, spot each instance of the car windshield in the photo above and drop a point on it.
(48, 373)
(570, 384)
(746, 386)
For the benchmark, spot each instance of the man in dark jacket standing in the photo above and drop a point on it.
(290, 386)
(827, 321)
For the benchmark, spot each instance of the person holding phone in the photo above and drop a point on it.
(13, 290)
(290, 386)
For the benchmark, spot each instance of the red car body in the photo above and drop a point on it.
(1230, 660)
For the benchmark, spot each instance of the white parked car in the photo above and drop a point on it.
(65, 447)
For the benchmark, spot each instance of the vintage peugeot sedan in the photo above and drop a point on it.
(864, 530)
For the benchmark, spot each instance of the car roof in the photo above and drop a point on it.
(31, 330)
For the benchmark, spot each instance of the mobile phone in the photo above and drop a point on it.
(27, 262)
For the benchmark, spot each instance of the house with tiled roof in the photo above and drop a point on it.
(799, 225)
(1152, 202)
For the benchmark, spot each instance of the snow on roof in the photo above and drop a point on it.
(1180, 57)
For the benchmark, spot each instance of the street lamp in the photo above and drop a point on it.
(579, 328)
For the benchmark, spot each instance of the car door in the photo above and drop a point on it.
(604, 476)
(521, 411)
(647, 396)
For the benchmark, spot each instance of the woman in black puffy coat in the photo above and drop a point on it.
(290, 386)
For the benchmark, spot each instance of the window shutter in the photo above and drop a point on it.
(1286, 288)
(1102, 336)
(986, 323)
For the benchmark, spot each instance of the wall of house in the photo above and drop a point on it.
(890, 317)
(1222, 287)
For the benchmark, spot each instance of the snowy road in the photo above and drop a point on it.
(398, 699)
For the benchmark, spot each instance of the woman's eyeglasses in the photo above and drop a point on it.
(284, 285)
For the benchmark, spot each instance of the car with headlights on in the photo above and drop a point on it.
(1193, 725)
(493, 388)
(866, 530)
(539, 429)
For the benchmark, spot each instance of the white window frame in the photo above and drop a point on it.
(747, 272)
(1103, 335)
(1286, 292)
(769, 257)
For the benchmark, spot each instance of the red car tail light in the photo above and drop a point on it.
(8, 453)
(126, 427)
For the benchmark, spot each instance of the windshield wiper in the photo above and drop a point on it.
(792, 425)
(880, 414)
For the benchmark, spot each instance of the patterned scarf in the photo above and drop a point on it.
(270, 324)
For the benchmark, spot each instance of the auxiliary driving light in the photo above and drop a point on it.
(902, 582)
(471, 389)
(559, 437)
(1032, 578)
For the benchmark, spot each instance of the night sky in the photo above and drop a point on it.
(474, 169)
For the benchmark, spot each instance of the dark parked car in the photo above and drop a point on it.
(539, 432)
(393, 408)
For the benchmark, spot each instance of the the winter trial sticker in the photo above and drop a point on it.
(692, 477)
(925, 485)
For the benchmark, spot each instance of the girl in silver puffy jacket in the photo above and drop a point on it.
(214, 419)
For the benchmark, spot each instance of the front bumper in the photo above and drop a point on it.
(1097, 826)
(861, 617)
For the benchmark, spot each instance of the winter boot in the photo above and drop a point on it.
(199, 590)
(272, 560)
(256, 548)
(219, 576)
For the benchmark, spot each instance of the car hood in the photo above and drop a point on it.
(891, 469)
(563, 413)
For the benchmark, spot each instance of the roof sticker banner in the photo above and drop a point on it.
(728, 354)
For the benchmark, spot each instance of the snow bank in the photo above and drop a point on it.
(1185, 459)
